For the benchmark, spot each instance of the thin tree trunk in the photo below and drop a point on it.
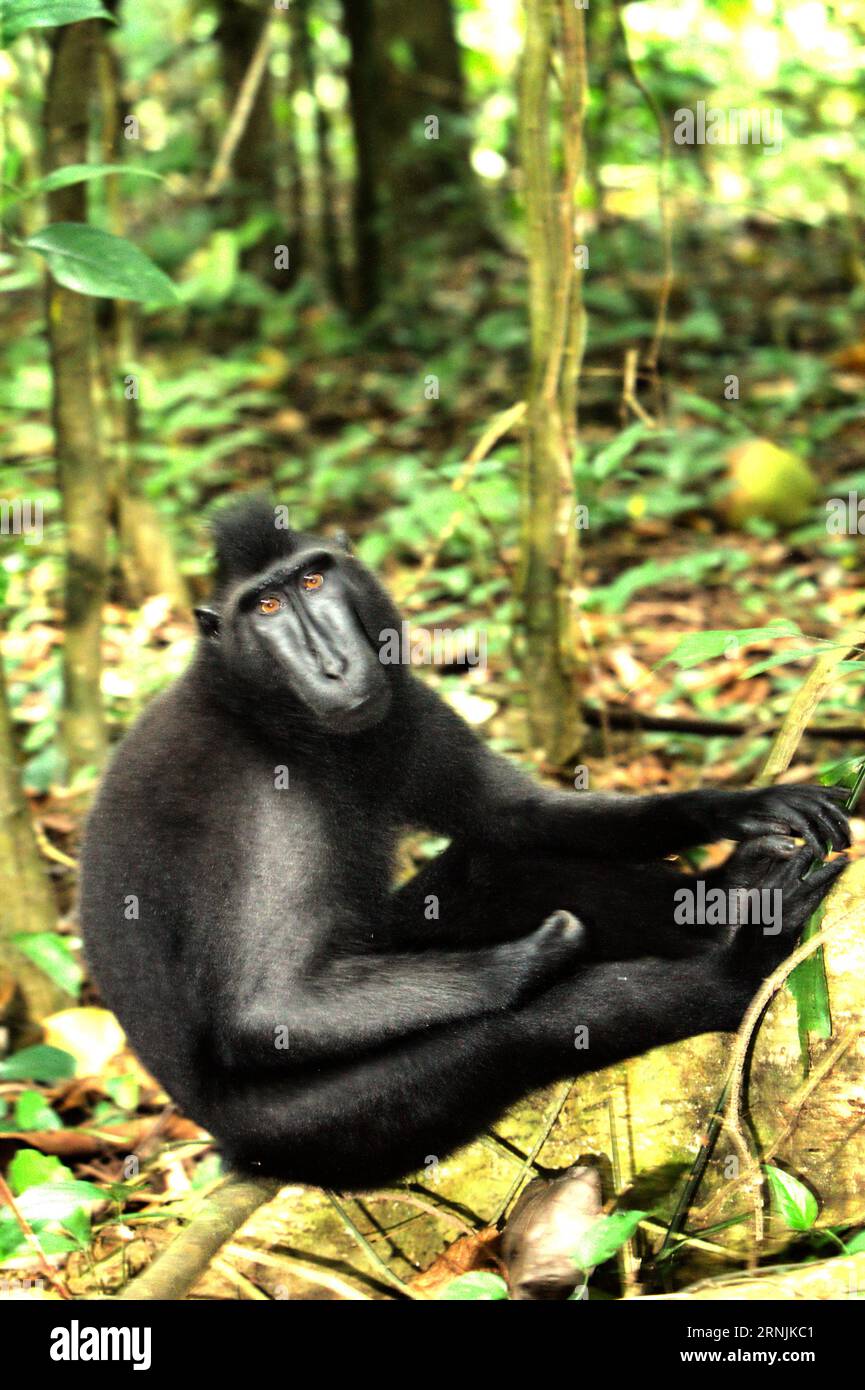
(425, 171)
(548, 552)
(293, 197)
(304, 55)
(253, 163)
(147, 558)
(413, 173)
(358, 24)
(81, 474)
(26, 901)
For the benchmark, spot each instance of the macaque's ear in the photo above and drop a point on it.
(343, 541)
(208, 621)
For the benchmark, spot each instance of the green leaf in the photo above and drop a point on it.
(78, 1225)
(39, 1063)
(19, 15)
(769, 663)
(603, 1238)
(843, 773)
(46, 769)
(74, 173)
(608, 459)
(32, 1112)
(124, 1091)
(698, 647)
(30, 1168)
(57, 1201)
(478, 1287)
(94, 262)
(686, 569)
(52, 953)
(14, 1242)
(856, 1244)
(809, 987)
(795, 1203)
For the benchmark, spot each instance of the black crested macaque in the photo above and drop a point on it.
(240, 914)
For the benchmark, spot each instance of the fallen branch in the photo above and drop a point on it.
(620, 717)
(173, 1273)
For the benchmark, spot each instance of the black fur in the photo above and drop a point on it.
(324, 1026)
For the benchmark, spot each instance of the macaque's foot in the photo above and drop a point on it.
(549, 952)
(788, 892)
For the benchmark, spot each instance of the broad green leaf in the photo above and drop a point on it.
(39, 1063)
(604, 1237)
(478, 1287)
(29, 1168)
(94, 262)
(74, 173)
(856, 1244)
(14, 1242)
(57, 1201)
(698, 647)
(32, 1112)
(19, 15)
(52, 953)
(795, 1203)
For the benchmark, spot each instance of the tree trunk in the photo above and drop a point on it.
(147, 558)
(26, 902)
(548, 547)
(292, 198)
(358, 24)
(81, 474)
(411, 138)
(253, 162)
(303, 59)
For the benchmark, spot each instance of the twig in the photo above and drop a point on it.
(246, 95)
(499, 426)
(695, 1177)
(369, 1250)
(528, 1163)
(726, 1113)
(629, 393)
(289, 1264)
(803, 705)
(748, 1027)
(32, 1240)
(51, 851)
(663, 204)
(797, 1105)
(413, 1199)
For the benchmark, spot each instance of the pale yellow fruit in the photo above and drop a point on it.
(768, 482)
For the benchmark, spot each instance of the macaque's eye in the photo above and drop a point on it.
(269, 604)
(312, 581)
